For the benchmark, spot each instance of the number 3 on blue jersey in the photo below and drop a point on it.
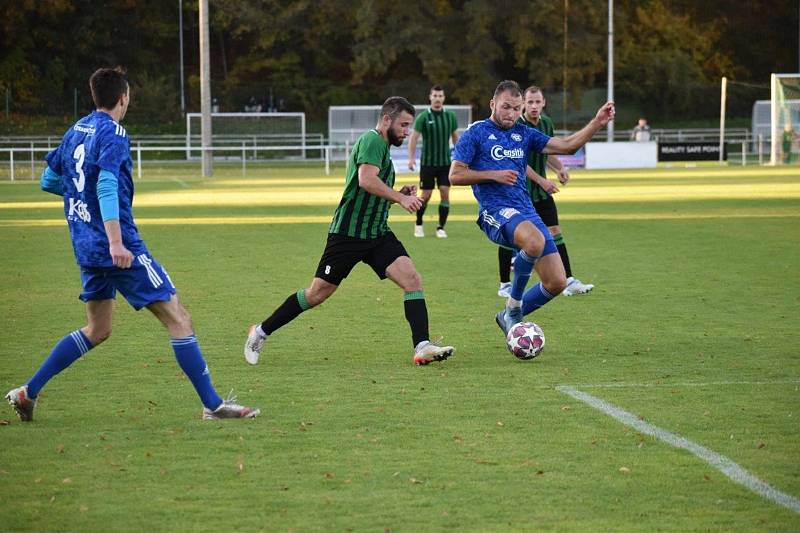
(79, 154)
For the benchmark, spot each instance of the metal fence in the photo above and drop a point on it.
(28, 163)
(22, 157)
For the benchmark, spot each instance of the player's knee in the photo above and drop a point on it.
(413, 282)
(184, 321)
(555, 285)
(316, 295)
(97, 334)
(534, 247)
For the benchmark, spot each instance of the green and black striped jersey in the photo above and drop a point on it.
(537, 161)
(436, 128)
(361, 214)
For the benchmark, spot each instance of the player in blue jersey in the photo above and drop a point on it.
(492, 157)
(91, 169)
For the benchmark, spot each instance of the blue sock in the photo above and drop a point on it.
(64, 353)
(523, 266)
(534, 298)
(189, 357)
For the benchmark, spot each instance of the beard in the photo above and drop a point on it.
(497, 121)
(393, 138)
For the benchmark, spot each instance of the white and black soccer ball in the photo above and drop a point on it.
(525, 340)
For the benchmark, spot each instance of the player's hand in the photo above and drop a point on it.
(506, 177)
(409, 190)
(412, 164)
(549, 187)
(121, 256)
(563, 176)
(606, 113)
(411, 203)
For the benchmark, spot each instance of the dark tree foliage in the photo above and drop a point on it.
(304, 55)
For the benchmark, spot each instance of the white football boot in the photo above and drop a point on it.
(575, 286)
(253, 345)
(427, 352)
(504, 291)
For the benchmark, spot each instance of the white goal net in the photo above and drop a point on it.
(259, 135)
(347, 123)
(784, 119)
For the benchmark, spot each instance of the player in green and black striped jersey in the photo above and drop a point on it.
(359, 233)
(437, 126)
(541, 190)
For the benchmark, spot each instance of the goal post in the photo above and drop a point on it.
(347, 123)
(784, 117)
(258, 129)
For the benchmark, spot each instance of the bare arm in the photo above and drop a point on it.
(412, 150)
(120, 255)
(369, 181)
(461, 174)
(541, 181)
(571, 143)
(555, 163)
(454, 136)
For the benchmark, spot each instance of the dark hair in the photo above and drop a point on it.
(108, 85)
(533, 89)
(437, 87)
(394, 105)
(507, 86)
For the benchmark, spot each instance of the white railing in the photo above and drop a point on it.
(677, 135)
(50, 141)
(235, 154)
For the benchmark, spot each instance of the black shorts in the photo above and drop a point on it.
(547, 211)
(342, 253)
(428, 176)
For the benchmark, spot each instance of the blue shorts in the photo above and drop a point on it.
(143, 283)
(499, 226)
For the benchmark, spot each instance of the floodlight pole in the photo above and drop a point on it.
(205, 91)
(610, 126)
(722, 97)
(180, 40)
(773, 119)
(564, 69)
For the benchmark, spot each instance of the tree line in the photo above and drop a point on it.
(304, 55)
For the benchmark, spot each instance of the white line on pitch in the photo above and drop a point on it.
(735, 472)
(180, 182)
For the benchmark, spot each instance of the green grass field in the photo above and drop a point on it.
(693, 328)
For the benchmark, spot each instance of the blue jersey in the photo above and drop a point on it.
(93, 144)
(487, 146)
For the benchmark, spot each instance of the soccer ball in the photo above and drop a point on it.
(525, 340)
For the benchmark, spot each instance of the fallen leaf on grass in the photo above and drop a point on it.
(83, 508)
(565, 407)
(416, 481)
(66, 481)
(761, 445)
(624, 470)
(5, 422)
(60, 448)
(706, 477)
